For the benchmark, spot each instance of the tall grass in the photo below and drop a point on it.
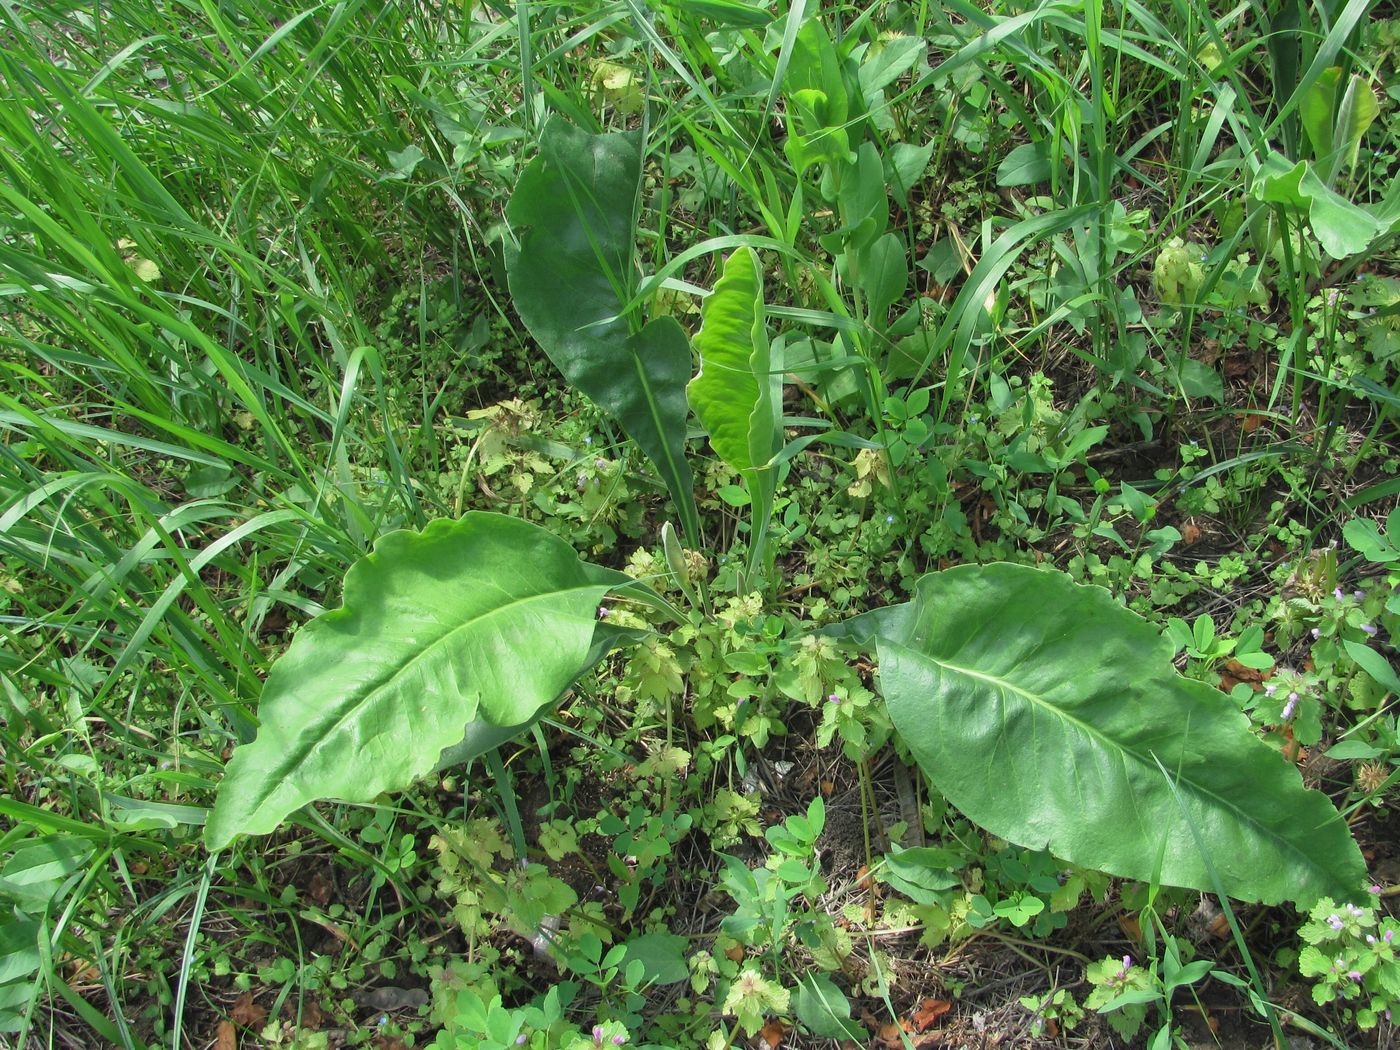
(200, 210)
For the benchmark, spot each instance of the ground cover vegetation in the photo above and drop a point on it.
(689, 523)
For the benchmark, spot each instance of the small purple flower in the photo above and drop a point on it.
(1375, 888)
(1270, 689)
(1335, 921)
(598, 1034)
(1338, 594)
(833, 699)
(602, 612)
(1290, 708)
(521, 1039)
(1370, 939)
(1358, 595)
(1368, 628)
(1316, 632)
(1388, 936)
(618, 1040)
(1355, 975)
(1355, 912)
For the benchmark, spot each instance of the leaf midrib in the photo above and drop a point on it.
(379, 687)
(1092, 731)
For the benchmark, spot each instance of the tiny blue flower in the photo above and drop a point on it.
(1368, 628)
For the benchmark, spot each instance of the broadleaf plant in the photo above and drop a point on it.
(1040, 707)
(575, 213)
(737, 393)
(487, 617)
(1046, 712)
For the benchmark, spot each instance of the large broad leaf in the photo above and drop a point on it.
(487, 617)
(1342, 228)
(1048, 714)
(575, 211)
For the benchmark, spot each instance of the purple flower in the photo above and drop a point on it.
(1370, 939)
(1335, 921)
(1316, 632)
(1355, 975)
(1338, 594)
(521, 1039)
(1368, 628)
(618, 1040)
(602, 612)
(1388, 936)
(1270, 689)
(1290, 708)
(833, 699)
(598, 1034)
(1375, 888)
(1358, 595)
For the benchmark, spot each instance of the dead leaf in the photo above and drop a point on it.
(1190, 533)
(312, 1016)
(734, 953)
(247, 1013)
(773, 1033)
(227, 1037)
(1251, 423)
(320, 889)
(1129, 925)
(891, 1034)
(929, 1011)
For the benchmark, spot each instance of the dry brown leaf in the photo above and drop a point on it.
(928, 1011)
(312, 1016)
(227, 1037)
(247, 1013)
(773, 1033)
(734, 953)
(891, 1034)
(1190, 533)
(320, 889)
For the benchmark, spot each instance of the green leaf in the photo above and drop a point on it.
(738, 392)
(884, 273)
(1025, 165)
(1342, 228)
(1364, 537)
(662, 956)
(1197, 379)
(824, 1011)
(920, 873)
(722, 12)
(574, 210)
(487, 617)
(904, 166)
(1041, 709)
(1375, 665)
(731, 394)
